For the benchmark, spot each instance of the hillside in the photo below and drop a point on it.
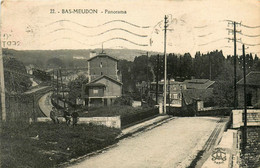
(30, 56)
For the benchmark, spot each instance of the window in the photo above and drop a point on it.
(95, 91)
(100, 65)
(101, 73)
(175, 96)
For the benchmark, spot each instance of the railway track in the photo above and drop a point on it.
(214, 136)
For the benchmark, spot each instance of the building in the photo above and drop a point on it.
(174, 92)
(199, 83)
(103, 64)
(252, 90)
(104, 81)
(198, 90)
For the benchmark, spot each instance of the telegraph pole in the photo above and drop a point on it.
(147, 78)
(62, 89)
(245, 100)
(209, 67)
(165, 65)
(157, 77)
(57, 71)
(2, 81)
(235, 67)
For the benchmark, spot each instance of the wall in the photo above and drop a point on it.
(251, 156)
(113, 122)
(100, 92)
(112, 88)
(109, 67)
(253, 117)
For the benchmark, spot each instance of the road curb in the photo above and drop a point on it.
(145, 128)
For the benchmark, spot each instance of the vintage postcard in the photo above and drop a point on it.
(130, 84)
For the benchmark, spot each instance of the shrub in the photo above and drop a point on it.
(124, 100)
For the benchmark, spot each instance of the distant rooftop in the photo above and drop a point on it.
(252, 79)
(103, 55)
(198, 83)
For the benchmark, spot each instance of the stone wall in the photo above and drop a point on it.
(253, 117)
(114, 122)
(251, 156)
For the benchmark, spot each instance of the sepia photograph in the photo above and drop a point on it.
(130, 84)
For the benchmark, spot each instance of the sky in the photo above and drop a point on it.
(197, 25)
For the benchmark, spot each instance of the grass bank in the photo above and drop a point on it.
(45, 145)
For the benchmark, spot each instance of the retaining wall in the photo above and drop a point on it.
(114, 122)
(253, 117)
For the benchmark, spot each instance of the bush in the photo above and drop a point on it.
(46, 145)
(129, 119)
(124, 100)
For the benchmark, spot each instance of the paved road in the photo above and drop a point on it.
(173, 144)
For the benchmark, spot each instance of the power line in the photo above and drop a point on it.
(258, 35)
(249, 44)
(205, 35)
(211, 42)
(252, 27)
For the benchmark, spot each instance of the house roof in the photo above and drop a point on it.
(167, 82)
(196, 94)
(108, 77)
(95, 84)
(252, 79)
(103, 55)
(198, 83)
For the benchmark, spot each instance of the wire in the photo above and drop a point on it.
(200, 27)
(123, 21)
(114, 29)
(205, 35)
(252, 27)
(211, 42)
(249, 35)
(248, 44)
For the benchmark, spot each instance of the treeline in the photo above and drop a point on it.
(182, 67)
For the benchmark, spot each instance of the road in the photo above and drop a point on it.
(173, 144)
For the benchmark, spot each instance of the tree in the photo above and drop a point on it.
(54, 63)
(16, 82)
(223, 88)
(75, 87)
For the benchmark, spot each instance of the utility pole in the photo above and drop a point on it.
(209, 67)
(245, 100)
(165, 64)
(147, 79)
(2, 80)
(235, 67)
(57, 85)
(157, 77)
(62, 89)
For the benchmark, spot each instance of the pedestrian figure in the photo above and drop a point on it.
(75, 117)
(53, 115)
(67, 116)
